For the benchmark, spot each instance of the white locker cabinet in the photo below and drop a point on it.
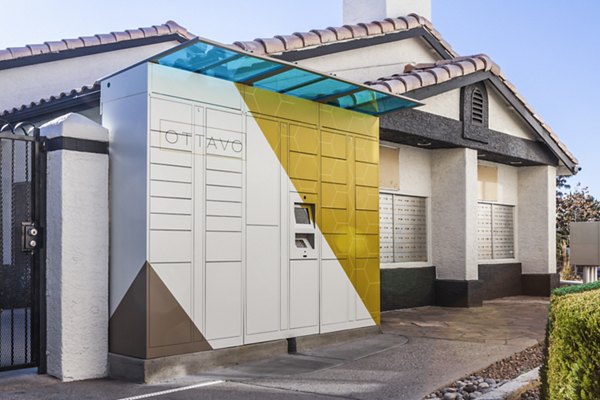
(213, 244)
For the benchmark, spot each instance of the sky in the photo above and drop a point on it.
(547, 49)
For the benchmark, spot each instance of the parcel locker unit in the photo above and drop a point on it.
(238, 215)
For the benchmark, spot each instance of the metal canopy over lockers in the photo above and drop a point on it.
(213, 59)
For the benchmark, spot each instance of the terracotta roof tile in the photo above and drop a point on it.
(427, 78)
(90, 41)
(73, 43)
(326, 35)
(414, 21)
(5, 55)
(466, 66)
(149, 32)
(400, 24)
(272, 45)
(121, 36)
(357, 31)
(309, 38)
(441, 74)
(386, 26)
(372, 28)
(341, 32)
(291, 42)
(350, 32)
(453, 70)
(38, 48)
(169, 28)
(418, 76)
(106, 38)
(74, 93)
(252, 46)
(135, 33)
(411, 81)
(162, 29)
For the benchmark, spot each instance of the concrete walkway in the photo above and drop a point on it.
(421, 349)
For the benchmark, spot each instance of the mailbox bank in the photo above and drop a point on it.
(243, 210)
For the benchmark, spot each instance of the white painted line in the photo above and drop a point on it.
(181, 389)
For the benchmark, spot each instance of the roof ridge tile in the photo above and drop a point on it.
(54, 46)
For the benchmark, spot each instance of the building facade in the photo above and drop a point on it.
(371, 168)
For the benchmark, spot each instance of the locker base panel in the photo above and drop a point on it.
(160, 369)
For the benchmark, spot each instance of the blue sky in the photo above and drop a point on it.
(548, 49)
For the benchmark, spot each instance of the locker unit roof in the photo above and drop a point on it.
(206, 57)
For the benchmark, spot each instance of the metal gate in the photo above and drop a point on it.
(22, 168)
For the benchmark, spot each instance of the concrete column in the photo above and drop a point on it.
(454, 213)
(537, 219)
(77, 248)
(356, 11)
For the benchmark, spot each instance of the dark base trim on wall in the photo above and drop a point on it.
(539, 284)
(456, 293)
(500, 280)
(407, 287)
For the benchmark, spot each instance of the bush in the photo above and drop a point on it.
(571, 369)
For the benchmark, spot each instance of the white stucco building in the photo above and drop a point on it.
(466, 203)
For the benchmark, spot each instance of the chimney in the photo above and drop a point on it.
(356, 11)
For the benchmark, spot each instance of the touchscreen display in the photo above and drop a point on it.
(302, 215)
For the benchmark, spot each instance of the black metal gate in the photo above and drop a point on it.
(22, 169)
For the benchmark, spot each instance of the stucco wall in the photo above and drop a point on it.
(537, 219)
(503, 118)
(446, 104)
(77, 254)
(370, 63)
(34, 82)
(453, 213)
(414, 166)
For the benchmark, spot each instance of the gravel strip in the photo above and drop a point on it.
(490, 378)
(531, 394)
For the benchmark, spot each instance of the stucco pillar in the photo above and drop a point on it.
(536, 222)
(454, 226)
(77, 248)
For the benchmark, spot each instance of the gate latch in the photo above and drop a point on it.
(30, 236)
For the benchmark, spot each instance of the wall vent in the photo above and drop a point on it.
(477, 109)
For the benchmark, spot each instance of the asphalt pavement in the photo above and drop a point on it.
(420, 350)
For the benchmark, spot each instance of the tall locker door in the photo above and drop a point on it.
(263, 230)
(304, 273)
(199, 189)
(170, 305)
(337, 292)
(224, 218)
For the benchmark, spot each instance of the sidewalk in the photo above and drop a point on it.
(421, 349)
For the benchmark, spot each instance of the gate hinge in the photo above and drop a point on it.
(30, 236)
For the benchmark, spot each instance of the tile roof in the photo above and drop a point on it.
(414, 76)
(318, 37)
(72, 94)
(168, 28)
(417, 76)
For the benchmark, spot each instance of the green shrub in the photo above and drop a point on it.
(576, 289)
(571, 369)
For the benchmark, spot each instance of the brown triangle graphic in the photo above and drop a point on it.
(127, 326)
(170, 329)
(150, 323)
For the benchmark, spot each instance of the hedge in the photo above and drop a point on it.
(571, 369)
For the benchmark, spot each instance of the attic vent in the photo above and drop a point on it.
(477, 108)
(474, 112)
